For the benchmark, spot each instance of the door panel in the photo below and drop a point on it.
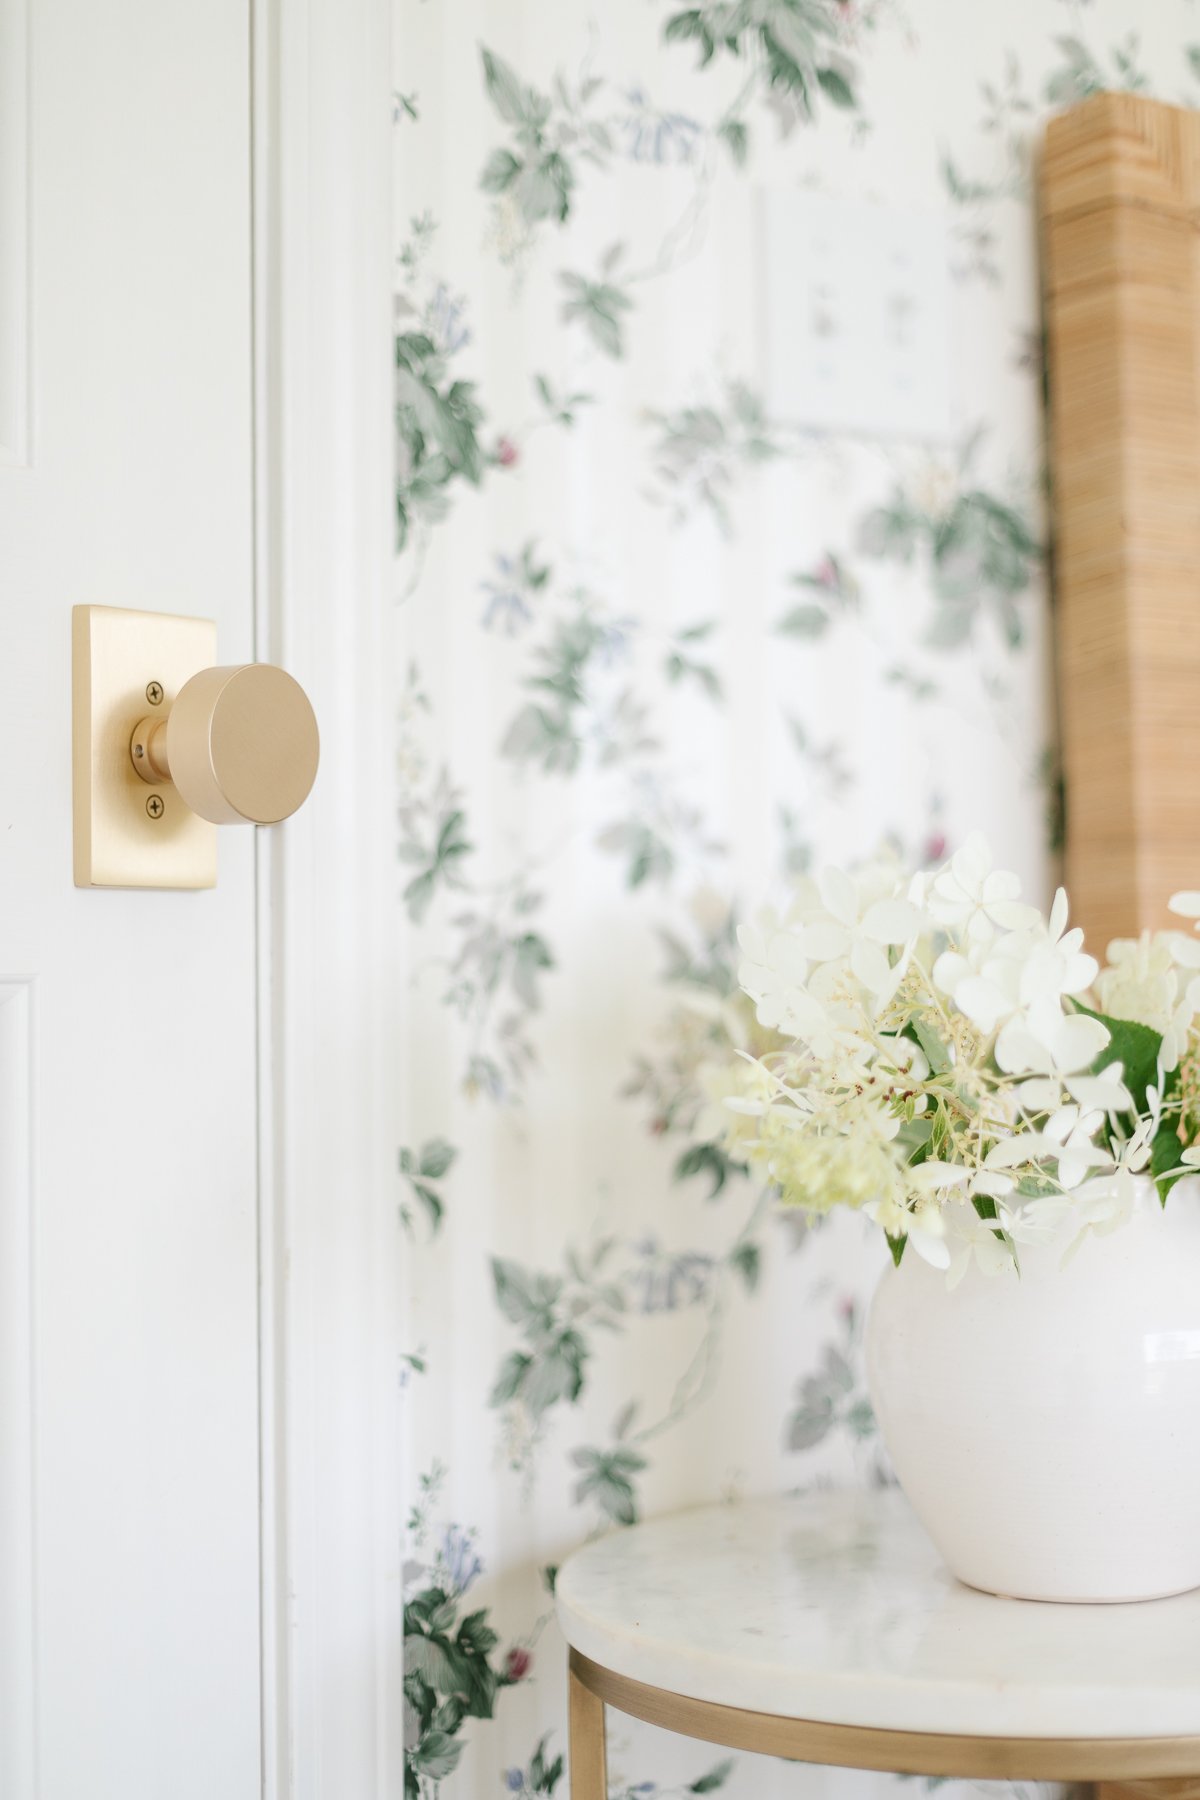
(16, 1391)
(141, 1050)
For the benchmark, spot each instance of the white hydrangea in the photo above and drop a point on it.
(939, 1060)
(974, 900)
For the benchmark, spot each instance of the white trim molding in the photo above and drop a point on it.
(330, 1236)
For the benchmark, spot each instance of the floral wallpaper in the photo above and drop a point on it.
(664, 645)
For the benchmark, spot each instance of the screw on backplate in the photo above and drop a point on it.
(154, 806)
(154, 692)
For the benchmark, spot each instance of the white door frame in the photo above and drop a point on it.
(328, 1015)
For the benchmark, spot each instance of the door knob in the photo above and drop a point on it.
(240, 745)
(167, 746)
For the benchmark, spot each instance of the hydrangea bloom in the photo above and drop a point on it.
(952, 1062)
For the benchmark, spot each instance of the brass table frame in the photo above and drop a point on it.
(1117, 1766)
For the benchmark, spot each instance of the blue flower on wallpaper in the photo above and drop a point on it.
(650, 135)
(459, 1560)
(447, 320)
(513, 588)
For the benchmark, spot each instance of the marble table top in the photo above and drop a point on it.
(835, 1607)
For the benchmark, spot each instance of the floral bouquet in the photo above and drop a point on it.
(955, 1065)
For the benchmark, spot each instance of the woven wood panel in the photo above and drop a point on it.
(1120, 206)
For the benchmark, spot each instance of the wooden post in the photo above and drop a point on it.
(1120, 200)
(586, 1746)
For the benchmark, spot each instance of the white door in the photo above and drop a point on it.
(167, 1399)
(130, 1015)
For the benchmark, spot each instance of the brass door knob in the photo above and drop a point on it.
(240, 745)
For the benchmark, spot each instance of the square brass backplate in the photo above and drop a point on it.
(128, 666)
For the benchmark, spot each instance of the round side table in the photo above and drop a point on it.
(826, 1629)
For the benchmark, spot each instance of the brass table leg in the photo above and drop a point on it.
(585, 1736)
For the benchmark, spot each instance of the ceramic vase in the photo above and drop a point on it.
(1045, 1425)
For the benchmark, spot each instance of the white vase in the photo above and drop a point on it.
(1046, 1427)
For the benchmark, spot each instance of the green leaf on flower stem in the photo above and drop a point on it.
(914, 1138)
(936, 1053)
(1164, 1159)
(985, 1206)
(1136, 1047)
(896, 1246)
